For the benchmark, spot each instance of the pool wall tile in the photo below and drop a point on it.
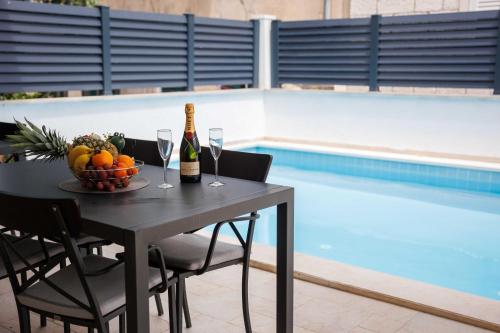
(451, 177)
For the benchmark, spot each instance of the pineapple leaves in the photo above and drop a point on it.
(37, 143)
(34, 127)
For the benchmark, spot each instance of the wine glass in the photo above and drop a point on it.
(215, 140)
(165, 146)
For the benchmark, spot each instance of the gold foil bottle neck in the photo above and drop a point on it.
(189, 128)
(189, 108)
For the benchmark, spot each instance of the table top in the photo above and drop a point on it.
(153, 212)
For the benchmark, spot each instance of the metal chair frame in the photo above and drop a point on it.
(60, 228)
(245, 260)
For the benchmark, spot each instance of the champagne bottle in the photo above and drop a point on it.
(190, 151)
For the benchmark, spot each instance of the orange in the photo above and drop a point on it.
(102, 158)
(129, 161)
(121, 173)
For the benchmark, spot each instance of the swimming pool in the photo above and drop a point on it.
(439, 225)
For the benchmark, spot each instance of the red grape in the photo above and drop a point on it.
(111, 188)
(99, 186)
(125, 182)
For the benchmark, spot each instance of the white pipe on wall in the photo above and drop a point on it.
(265, 50)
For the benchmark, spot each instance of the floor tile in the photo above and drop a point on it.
(215, 305)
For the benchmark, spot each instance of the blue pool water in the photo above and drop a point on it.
(434, 224)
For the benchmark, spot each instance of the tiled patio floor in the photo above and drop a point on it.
(216, 308)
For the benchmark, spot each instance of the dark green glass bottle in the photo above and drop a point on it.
(190, 151)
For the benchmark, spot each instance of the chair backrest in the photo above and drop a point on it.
(237, 164)
(143, 150)
(7, 129)
(36, 216)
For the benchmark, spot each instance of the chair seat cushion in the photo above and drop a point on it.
(109, 289)
(84, 240)
(189, 252)
(31, 250)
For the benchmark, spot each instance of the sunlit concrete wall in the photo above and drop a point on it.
(364, 8)
(458, 125)
(239, 112)
(237, 9)
(436, 124)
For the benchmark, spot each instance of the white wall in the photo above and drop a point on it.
(443, 124)
(239, 112)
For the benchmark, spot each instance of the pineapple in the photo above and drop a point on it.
(39, 143)
(95, 142)
(48, 144)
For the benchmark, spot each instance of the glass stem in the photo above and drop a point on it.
(216, 169)
(165, 171)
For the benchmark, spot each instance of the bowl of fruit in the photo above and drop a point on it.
(95, 161)
(101, 171)
(98, 166)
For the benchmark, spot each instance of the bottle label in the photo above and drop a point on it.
(190, 168)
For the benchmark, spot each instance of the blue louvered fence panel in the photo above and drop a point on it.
(148, 50)
(58, 48)
(224, 52)
(437, 50)
(441, 50)
(49, 48)
(323, 52)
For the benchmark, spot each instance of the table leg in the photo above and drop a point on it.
(136, 284)
(284, 283)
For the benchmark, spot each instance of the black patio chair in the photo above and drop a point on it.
(143, 150)
(35, 252)
(6, 129)
(90, 291)
(192, 254)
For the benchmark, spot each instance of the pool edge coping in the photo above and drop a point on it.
(428, 158)
(469, 309)
(384, 297)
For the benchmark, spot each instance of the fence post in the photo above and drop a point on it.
(256, 52)
(190, 51)
(275, 54)
(496, 82)
(374, 33)
(106, 51)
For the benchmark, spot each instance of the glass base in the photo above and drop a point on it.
(165, 186)
(216, 184)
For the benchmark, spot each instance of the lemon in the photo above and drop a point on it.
(75, 152)
(81, 162)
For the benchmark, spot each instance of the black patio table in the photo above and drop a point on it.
(137, 218)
